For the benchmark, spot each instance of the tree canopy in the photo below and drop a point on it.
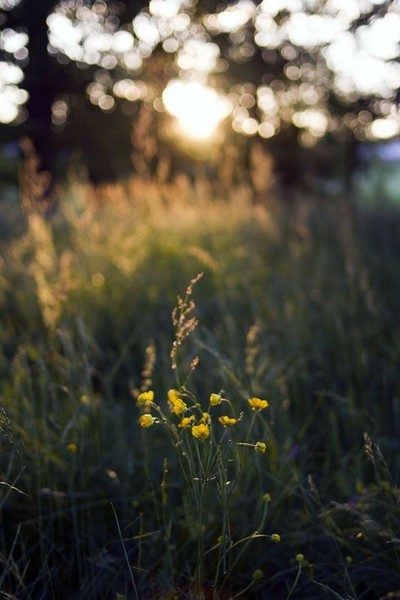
(74, 73)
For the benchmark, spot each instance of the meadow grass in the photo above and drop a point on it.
(298, 304)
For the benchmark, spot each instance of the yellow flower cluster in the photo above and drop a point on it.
(202, 429)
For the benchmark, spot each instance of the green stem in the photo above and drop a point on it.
(295, 581)
(248, 540)
(199, 584)
(167, 522)
(250, 426)
(244, 590)
(125, 554)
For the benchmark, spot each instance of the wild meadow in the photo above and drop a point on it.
(200, 394)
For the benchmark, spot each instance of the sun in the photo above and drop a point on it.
(199, 109)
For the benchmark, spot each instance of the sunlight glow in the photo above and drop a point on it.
(199, 109)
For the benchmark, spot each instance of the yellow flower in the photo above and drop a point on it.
(300, 557)
(146, 421)
(145, 397)
(275, 537)
(173, 395)
(215, 399)
(260, 447)
(258, 574)
(257, 403)
(85, 399)
(178, 406)
(186, 422)
(201, 432)
(73, 448)
(267, 497)
(227, 421)
(206, 418)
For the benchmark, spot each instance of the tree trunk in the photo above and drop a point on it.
(41, 80)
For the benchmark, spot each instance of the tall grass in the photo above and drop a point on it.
(299, 304)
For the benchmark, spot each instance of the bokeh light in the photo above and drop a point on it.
(198, 109)
(310, 50)
(12, 97)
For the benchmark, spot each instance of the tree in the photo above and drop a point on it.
(47, 78)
